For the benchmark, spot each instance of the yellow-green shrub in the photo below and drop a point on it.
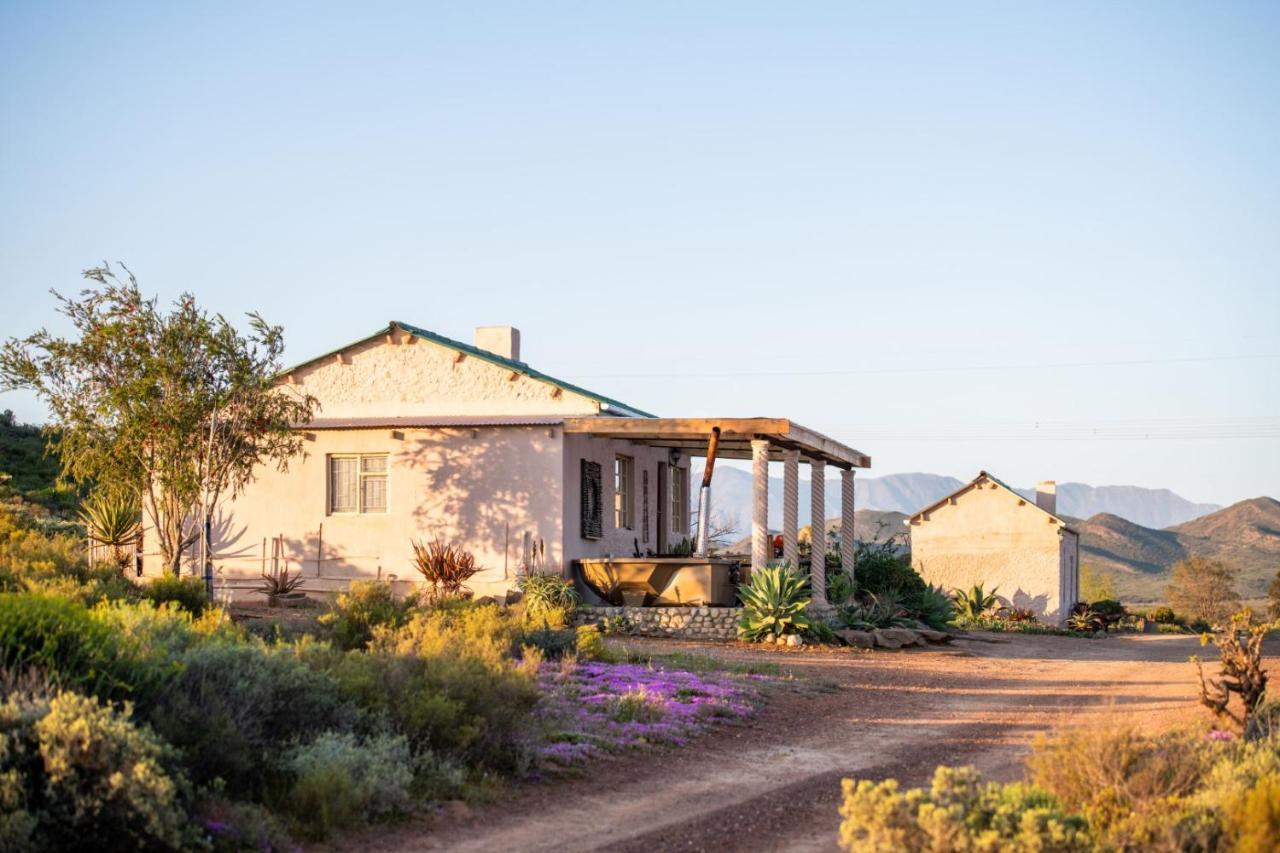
(75, 772)
(187, 593)
(355, 614)
(958, 812)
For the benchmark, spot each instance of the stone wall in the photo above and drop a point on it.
(686, 623)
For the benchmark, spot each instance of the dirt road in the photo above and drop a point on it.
(774, 784)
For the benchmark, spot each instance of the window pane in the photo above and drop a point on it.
(374, 496)
(342, 484)
(373, 464)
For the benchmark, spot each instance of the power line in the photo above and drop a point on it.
(930, 369)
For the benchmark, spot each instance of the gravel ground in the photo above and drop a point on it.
(774, 783)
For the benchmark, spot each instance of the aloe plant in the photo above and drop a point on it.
(971, 605)
(112, 520)
(773, 603)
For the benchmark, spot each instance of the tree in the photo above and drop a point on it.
(1095, 585)
(1273, 594)
(1204, 589)
(177, 407)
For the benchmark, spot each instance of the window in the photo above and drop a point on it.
(624, 492)
(358, 484)
(679, 485)
(592, 507)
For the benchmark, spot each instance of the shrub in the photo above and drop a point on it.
(72, 770)
(636, 706)
(551, 643)
(341, 780)
(446, 569)
(590, 643)
(874, 612)
(355, 614)
(1122, 781)
(957, 812)
(774, 603)
(236, 706)
(232, 827)
(548, 599)
(278, 582)
(448, 680)
(1241, 672)
(61, 638)
(188, 593)
(1163, 615)
(820, 632)
(881, 570)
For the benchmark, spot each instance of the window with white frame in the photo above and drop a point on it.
(357, 483)
(624, 492)
(679, 485)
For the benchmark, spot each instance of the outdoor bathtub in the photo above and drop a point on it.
(661, 581)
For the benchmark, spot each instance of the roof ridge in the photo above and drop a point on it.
(986, 474)
(485, 355)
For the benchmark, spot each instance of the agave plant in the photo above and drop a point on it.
(973, 604)
(446, 568)
(1085, 620)
(277, 583)
(112, 520)
(773, 603)
(881, 611)
(546, 594)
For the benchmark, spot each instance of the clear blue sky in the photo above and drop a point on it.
(1038, 239)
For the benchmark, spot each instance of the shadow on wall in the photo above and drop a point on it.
(1026, 601)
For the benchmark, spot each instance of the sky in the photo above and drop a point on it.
(1037, 239)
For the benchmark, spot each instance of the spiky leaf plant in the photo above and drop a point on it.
(112, 520)
(773, 604)
(971, 605)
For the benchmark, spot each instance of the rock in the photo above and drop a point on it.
(795, 640)
(884, 640)
(782, 641)
(904, 636)
(934, 636)
(857, 639)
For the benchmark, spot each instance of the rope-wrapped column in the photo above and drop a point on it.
(791, 507)
(818, 531)
(760, 545)
(848, 544)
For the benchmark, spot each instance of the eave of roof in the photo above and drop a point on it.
(606, 403)
(431, 421)
(983, 475)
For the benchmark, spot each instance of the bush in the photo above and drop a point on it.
(1163, 616)
(880, 571)
(188, 593)
(232, 827)
(237, 706)
(551, 644)
(874, 612)
(590, 643)
(62, 639)
(355, 614)
(448, 680)
(1203, 588)
(840, 586)
(957, 812)
(1121, 780)
(72, 770)
(773, 604)
(341, 780)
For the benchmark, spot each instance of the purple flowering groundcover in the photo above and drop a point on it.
(594, 708)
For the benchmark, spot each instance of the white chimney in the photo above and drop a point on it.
(499, 340)
(1047, 496)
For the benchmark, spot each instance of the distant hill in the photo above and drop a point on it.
(1158, 508)
(1245, 535)
(907, 493)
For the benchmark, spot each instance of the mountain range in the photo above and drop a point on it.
(1245, 536)
(907, 493)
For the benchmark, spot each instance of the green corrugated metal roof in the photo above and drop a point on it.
(492, 358)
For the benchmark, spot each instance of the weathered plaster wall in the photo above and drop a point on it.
(424, 378)
(615, 542)
(481, 489)
(989, 536)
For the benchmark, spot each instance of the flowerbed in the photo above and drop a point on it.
(593, 708)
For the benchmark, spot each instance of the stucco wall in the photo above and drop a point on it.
(987, 536)
(614, 542)
(481, 489)
(424, 378)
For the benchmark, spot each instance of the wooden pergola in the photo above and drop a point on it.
(762, 440)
